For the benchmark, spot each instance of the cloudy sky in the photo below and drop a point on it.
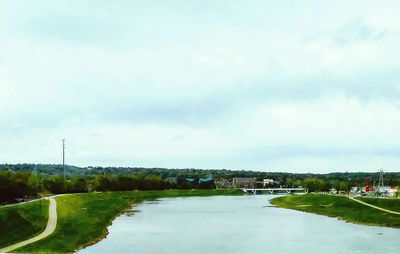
(299, 86)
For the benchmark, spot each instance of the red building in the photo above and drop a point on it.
(369, 188)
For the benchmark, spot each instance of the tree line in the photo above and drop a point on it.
(30, 180)
(17, 185)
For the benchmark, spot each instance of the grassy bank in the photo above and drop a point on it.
(18, 223)
(390, 204)
(339, 207)
(83, 218)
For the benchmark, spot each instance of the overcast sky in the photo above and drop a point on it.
(299, 86)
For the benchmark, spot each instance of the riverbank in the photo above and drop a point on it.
(18, 223)
(83, 218)
(339, 207)
(386, 203)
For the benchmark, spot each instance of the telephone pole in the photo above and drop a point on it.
(63, 152)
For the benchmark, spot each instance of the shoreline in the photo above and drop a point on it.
(84, 219)
(105, 233)
(338, 207)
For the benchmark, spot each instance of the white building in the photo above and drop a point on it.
(268, 182)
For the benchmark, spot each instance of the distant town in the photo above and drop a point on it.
(379, 190)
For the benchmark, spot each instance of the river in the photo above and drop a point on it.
(237, 224)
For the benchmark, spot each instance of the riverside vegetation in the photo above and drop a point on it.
(386, 203)
(18, 223)
(83, 218)
(343, 208)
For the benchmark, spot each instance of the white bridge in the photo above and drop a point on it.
(272, 190)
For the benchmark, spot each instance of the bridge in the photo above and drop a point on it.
(272, 190)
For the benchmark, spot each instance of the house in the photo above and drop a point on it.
(206, 183)
(355, 191)
(267, 182)
(393, 191)
(244, 182)
(206, 180)
(171, 180)
(222, 184)
(389, 191)
(368, 188)
(190, 180)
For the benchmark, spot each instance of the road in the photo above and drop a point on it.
(376, 207)
(51, 226)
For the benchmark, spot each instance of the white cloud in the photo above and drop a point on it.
(120, 87)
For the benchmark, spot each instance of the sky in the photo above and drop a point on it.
(297, 86)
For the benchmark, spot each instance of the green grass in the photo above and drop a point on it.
(18, 223)
(83, 218)
(386, 203)
(339, 207)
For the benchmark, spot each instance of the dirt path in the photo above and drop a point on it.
(376, 207)
(51, 226)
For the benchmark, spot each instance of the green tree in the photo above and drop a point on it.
(344, 186)
(309, 183)
(56, 184)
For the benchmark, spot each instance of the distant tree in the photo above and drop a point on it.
(309, 183)
(153, 182)
(344, 186)
(334, 184)
(101, 183)
(35, 184)
(296, 183)
(6, 187)
(56, 184)
(124, 183)
(321, 185)
(80, 185)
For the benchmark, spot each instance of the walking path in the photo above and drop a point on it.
(51, 226)
(373, 206)
(22, 203)
(34, 200)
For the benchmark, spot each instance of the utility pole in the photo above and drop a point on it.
(63, 152)
(380, 183)
(381, 178)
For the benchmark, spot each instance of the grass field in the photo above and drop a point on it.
(390, 204)
(83, 218)
(18, 223)
(339, 207)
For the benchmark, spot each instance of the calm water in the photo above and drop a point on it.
(243, 224)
